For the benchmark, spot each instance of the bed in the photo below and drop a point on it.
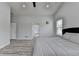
(55, 46)
(66, 45)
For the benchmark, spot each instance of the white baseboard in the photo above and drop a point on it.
(30, 38)
(4, 43)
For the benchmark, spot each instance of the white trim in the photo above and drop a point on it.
(30, 38)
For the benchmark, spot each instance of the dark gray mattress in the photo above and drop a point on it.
(55, 46)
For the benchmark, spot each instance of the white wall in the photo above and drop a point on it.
(70, 13)
(24, 25)
(4, 24)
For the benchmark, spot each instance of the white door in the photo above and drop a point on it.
(35, 30)
(13, 30)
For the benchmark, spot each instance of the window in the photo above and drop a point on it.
(59, 27)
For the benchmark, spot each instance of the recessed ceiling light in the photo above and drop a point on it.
(23, 5)
(47, 6)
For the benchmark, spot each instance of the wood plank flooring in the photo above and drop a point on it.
(17, 48)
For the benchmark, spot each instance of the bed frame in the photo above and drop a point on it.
(71, 30)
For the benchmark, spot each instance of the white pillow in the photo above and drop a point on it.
(74, 37)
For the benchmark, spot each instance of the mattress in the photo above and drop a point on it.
(55, 46)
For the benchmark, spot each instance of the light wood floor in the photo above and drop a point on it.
(17, 48)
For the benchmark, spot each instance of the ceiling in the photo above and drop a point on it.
(40, 9)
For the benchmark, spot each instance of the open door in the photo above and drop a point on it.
(35, 30)
(13, 30)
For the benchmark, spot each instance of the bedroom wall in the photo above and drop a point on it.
(70, 13)
(4, 24)
(24, 26)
